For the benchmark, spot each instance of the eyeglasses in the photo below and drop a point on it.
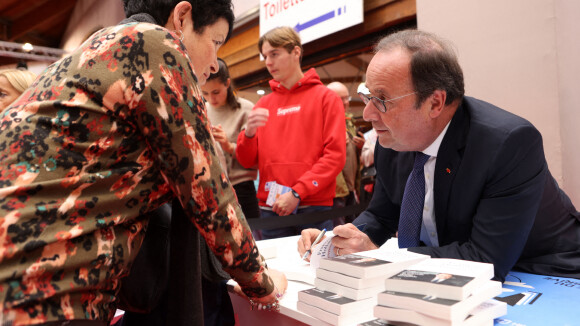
(381, 105)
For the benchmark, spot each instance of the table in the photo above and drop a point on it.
(532, 299)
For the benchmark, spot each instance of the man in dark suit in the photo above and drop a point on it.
(488, 194)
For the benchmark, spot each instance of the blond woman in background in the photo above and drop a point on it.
(13, 82)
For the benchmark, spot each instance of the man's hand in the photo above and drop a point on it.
(349, 239)
(285, 204)
(257, 118)
(306, 238)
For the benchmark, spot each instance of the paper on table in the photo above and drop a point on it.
(325, 249)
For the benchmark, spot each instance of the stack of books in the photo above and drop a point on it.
(333, 308)
(362, 275)
(441, 292)
(347, 286)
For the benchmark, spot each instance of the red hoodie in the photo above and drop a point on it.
(303, 143)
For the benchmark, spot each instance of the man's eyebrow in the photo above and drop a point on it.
(377, 92)
(274, 50)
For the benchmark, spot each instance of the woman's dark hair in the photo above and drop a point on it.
(434, 65)
(204, 12)
(223, 74)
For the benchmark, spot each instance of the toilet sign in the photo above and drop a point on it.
(312, 19)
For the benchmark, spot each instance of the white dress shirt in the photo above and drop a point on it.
(429, 227)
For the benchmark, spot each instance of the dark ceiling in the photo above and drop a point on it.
(39, 22)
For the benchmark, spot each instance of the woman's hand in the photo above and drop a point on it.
(271, 300)
(220, 136)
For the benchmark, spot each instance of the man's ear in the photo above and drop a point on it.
(437, 102)
(297, 52)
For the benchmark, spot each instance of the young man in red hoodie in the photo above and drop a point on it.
(295, 135)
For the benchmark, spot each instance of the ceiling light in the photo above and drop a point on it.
(27, 47)
(362, 88)
(261, 92)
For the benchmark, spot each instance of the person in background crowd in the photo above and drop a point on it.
(456, 176)
(348, 180)
(107, 134)
(368, 172)
(367, 155)
(13, 82)
(229, 115)
(295, 135)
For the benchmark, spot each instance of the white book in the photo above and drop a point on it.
(372, 263)
(352, 282)
(294, 269)
(268, 251)
(337, 320)
(440, 308)
(484, 314)
(354, 294)
(441, 277)
(335, 303)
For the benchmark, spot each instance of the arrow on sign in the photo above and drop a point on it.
(300, 27)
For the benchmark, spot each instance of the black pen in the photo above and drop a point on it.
(309, 251)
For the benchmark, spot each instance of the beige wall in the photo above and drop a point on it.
(521, 55)
(87, 17)
(568, 49)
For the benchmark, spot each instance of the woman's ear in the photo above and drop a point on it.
(228, 82)
(180, 15)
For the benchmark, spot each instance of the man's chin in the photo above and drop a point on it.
(389, 143)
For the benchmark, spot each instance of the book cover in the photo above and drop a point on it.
(441, 277)
(325, 249)
(274, 191)
(375, 322)
(372, 263)
(337, 320)
(437, 307)
(483, 314)
(540, 300)
(335, 303)
(354, 294)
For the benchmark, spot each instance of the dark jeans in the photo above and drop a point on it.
(217, 305)
(338, 202)
(295, 230)
(246, 193)
(345, 201)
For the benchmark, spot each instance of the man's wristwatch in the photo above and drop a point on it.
(295, 194)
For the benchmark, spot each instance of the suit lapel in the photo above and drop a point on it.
(448, 161)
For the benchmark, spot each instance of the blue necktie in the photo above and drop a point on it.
(412, 204)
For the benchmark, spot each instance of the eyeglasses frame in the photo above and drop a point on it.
(366, 99)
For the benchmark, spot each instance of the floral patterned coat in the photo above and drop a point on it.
(104, 135)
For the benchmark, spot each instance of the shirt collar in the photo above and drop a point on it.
(433, 149)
